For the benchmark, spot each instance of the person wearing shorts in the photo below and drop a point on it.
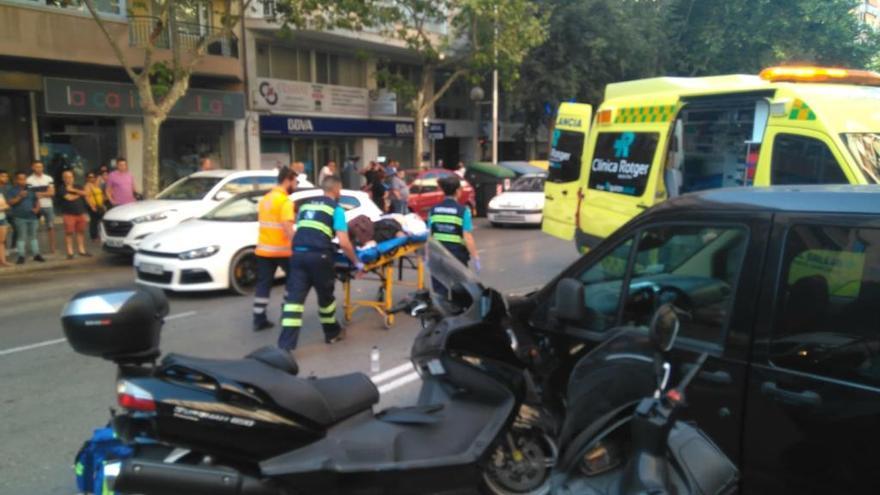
(44, 187)
(73, 211)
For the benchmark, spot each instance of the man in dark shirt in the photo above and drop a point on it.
(25, 210)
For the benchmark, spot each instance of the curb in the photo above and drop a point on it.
(60, 263)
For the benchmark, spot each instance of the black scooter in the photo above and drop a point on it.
(648, 451)
(251, 426)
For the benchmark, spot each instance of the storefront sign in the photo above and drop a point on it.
(383, 102)
(71, 96)
(279, 125)
(295, 96)
(436, 131)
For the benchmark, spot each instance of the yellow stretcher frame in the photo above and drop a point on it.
(383, 268)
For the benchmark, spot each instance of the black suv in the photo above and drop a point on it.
(783, 288)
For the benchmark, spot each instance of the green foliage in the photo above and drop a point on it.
(161, 79)
(595, 42)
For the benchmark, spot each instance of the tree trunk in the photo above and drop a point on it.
(418, 137)
(152, 125)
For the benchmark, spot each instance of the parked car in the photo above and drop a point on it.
(424, 193)
(216, 251)
(124, 227)
(523, 203)
(782, 289)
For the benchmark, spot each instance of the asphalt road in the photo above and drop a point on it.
(51, 398)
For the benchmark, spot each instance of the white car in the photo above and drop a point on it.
(124, 227)
(522, 204)
(216, 251)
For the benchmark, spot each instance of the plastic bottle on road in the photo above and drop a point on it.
(374, 360)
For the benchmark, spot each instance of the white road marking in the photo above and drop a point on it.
(37, 345)
(398, 382)
(388, 374)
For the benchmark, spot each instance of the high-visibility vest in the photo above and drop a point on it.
(447, 226)
(314, 225)
(275, 209)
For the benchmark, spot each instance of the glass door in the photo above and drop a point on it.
(15, 131)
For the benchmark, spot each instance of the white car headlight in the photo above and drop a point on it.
(203, 252)
(493, 203)
(152, 217)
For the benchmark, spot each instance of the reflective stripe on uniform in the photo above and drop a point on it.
(451, 238)
(328, 319)
(258, 310)
(274, 249)
(455, 220)
(272, 225)
(291, 322)
(293, 307)
(317, 207)
(261, 300)
(329, 308)
(314, 224)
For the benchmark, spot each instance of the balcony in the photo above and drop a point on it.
(178, 35)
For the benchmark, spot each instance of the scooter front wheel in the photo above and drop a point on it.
(521, 464)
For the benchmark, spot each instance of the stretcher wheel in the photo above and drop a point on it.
(388, 321)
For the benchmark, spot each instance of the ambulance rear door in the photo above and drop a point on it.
(565, 172)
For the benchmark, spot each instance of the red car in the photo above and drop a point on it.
(424, 193)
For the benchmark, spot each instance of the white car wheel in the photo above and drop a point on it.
(243, 272)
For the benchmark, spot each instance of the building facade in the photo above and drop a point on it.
(65, 99)
(869, 12)
(314, 97)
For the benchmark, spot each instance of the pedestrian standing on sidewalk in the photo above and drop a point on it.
(451, 224)
(95, 202)
(379, 191)
(399, 192)
(4, 221)
(328, 170)
(206, 164)
(120, 184)
(73, 212)
(275, 215)
(25, 210)
(44, 187)
(299, 168)
(318, 221)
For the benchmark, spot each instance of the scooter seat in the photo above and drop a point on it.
(324, 401)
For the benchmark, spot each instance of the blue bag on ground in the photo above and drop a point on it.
(90, 460)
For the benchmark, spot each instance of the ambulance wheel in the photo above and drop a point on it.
(243, 272)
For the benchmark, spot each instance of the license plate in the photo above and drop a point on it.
(509, 218)
(116, 243)
(152, 269)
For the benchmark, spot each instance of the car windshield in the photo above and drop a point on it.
(189, 188)
(528, 184)
(865, 148)
(240, 209)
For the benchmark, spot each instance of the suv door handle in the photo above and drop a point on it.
(720, 377)
(547, 196)
(807, 397)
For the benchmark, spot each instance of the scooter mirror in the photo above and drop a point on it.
(664, 328)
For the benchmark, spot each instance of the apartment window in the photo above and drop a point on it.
(263, 65)
(288, 63)
(340, 70)
(111, 7)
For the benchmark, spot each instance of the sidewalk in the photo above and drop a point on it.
(59, 261)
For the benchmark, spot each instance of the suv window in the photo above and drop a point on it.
(803, 160)
(694, 267)
(622, 162)
(828, 316)
(566, 150)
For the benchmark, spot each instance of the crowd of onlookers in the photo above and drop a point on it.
(29, 199)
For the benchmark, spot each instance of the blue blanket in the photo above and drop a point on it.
(371, 254)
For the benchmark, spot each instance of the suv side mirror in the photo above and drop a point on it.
(569, 301)
(664, 328)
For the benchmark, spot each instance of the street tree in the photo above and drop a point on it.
(461, 39)
(167, 56)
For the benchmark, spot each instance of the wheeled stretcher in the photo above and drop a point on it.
(380, 262)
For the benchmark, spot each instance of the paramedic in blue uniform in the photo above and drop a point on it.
(319, 220)
(451, 224)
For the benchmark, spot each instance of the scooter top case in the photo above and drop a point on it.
(434, 446)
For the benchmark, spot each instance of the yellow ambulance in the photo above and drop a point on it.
(657, 138)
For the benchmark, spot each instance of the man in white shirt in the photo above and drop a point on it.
(326, 171)
(44, 187)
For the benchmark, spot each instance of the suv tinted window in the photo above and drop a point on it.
(622, 162)
(565, 156)
(828, 316)
(803, 160)
(603, 282)
(694, 267)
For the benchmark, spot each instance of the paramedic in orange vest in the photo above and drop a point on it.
(274, 244)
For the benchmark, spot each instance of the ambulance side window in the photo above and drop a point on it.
(566, 150)
(803, 160)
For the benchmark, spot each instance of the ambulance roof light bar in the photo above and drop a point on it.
(795, 73)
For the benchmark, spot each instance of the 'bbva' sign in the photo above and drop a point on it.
(300, 125)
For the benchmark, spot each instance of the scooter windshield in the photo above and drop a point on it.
(453, 285)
